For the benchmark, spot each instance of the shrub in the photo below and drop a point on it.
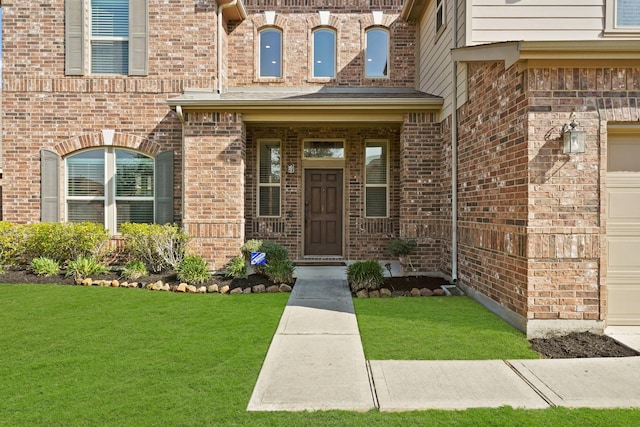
(43, 266)
(160, 247)
(193, 269)
(64, 241)
(365, 275)
(401, 248)
(236, 268)
(84, 267)
(134, 270)
(274, 251)
(11, 243)
(250, 246)
(280, 271)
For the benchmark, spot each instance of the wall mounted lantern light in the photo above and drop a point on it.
(573, 140)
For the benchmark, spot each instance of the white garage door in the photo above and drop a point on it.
(623, 228)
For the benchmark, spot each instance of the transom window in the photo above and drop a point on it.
(110, 36)
(377, 179)
(110, 186)
(269, 171)
(270, 53)
(323, 149)
(324, 53)
(377, 53)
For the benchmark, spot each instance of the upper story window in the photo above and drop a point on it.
(109, 36)
(324, 53)
(110, 186)
(377, 53)
(440, 15)
(270, 53)
(622, 17)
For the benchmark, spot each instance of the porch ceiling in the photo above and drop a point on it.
(386, 105)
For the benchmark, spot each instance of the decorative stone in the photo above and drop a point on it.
(149, 286)
(213, 289)
(397, 294)
(173, 288)
(426, 292)
(78, 281)
(157, 285)
(236, 291)
(224, 289)
(273, 289)
(201, 290)
(246, 290)
(104, 283)
(259, 289)
(374, 294)
(87, 282)
(385, 293)
(191, 289)
(285, 288)
(115, 283)
(166, 287)
(124, 284)
(182, 287)
(362, 293)
(134, 285)
(439, 292)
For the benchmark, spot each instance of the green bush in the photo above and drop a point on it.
(280, 271)
(236, 268)
(134, 270)
(45, 266)
(274, 251)
(64, 241)
(193, 269)
(365, 275)
(11, 243)
(401, 247)
(84, 267)
(250, 246)
(160, 247)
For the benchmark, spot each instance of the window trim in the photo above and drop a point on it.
(93, 39)
(313, 54)
(366, 43)
(259, 54)
(611, 28)
(109, 199)
(259, 184)
(387, 173)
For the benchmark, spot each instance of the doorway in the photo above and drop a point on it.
(323, 217)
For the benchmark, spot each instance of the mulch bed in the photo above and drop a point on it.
(579, 345)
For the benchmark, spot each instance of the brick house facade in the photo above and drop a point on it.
(477, 178)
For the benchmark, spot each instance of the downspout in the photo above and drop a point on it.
(219, 41)
(454, 153)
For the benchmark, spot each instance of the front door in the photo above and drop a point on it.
(323, 212)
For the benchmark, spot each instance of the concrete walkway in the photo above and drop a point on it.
(316, 362)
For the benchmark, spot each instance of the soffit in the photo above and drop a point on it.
(236, 12)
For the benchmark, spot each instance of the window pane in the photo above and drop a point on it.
(110, 18)
(270, 53)
(628, 13)
(376, 202)
(269, 201)
(376, 163)
(134, 174)
(85, 211)
(324, 53)
(269, 162)
(324, 149)
(85, 174)
(109, 57)
(439, 14)
(138, 211)
(377, 53)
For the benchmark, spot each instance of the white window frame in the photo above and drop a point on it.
(268, 184)
(93, 38)
(366, 47)
(109, 199)
(385, 185)
(313, 52)
(612, 29)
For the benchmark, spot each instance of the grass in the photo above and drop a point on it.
(436, 329)
(76, 356)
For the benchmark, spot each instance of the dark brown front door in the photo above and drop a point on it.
(323, 212)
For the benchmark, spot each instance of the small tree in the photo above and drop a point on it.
(401, 249)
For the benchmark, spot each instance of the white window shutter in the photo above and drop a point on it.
(49, 186)
(74, 37)
(138, 38)
(164, 187)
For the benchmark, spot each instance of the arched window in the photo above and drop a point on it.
(324, 53)
(110, 186)
(377, 53)
(270, 53)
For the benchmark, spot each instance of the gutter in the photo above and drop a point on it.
(454, 153)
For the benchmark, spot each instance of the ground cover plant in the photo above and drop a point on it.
(105, 356)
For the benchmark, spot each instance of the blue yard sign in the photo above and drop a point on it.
(258, 258)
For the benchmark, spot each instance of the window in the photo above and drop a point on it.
(376, 179)
(440, 15)
(269, 178)
(324, 53)
(116, 34)
(323, 149)
(110, 186)
(109, 36)
(622, 17)
(377, 53)
(270, 53)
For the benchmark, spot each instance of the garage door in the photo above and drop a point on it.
(623, 228)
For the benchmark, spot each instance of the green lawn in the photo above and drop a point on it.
(436, 329)
(78, 356)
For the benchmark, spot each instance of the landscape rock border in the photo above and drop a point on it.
(414, 292)
(185, 287)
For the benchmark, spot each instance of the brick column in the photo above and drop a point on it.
(214, 185)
